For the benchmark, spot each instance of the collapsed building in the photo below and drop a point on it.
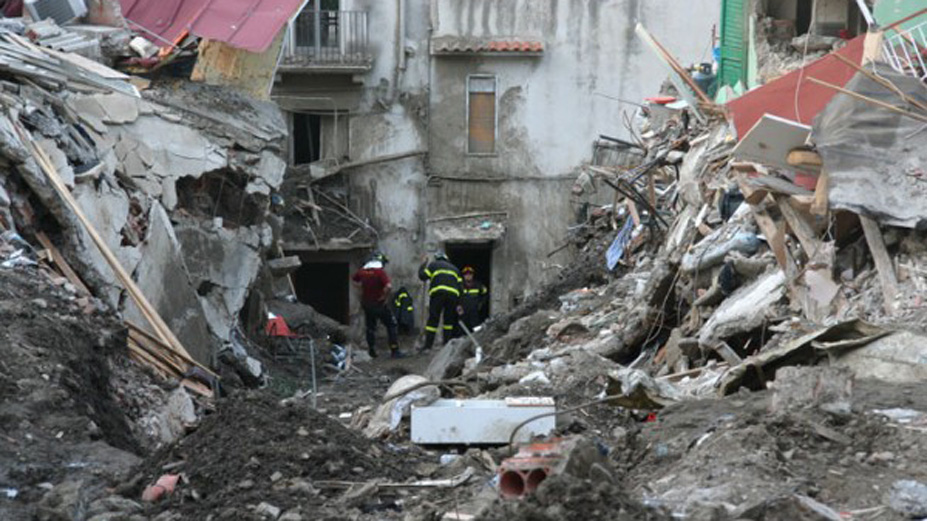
(712, 300)
(453, 125)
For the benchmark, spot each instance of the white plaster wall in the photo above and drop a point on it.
(590, 47)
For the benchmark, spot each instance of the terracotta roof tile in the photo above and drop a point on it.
(455, 45)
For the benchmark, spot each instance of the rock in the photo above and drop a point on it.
(276, 476)
(909, 498)
(63, 502)
(113, 504)
(826, 388)
(246, 484)
(882, 457)
(118, 516)
(291, 515)
(267, 511)
(787, 508)
(449, 361)
(40, 303)
(303, 487)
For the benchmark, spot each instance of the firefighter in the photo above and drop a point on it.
(444, 285)
(404, 310)
(473, 298)
(375, 288)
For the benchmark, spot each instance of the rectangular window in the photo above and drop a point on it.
(481, 114)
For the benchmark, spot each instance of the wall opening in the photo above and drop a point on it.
(307, 138)
(326, 287)
(478, 255)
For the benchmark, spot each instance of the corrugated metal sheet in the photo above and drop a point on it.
(244, 24)
(782, 96)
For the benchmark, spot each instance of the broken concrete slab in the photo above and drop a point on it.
(163, 274)
(222, 264)
(449, 361)
(898, 357)
(807, 349)
(829, 389)
(746, 309)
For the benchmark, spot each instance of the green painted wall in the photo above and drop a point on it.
(888, 11)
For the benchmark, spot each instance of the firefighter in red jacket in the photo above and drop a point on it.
(444, 285)
(375, 289)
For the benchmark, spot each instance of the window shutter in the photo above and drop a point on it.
(482, 116)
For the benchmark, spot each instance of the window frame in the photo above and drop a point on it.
(495, 123)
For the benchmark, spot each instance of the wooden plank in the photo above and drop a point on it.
(820, 205)
(157, 323)
(777, 185)
(774, 236)
(135, 330)
(62, 265)
(752, 194)
(882, 262)
(802, 230)
(806, 158)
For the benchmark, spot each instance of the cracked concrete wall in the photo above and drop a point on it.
(142, 148)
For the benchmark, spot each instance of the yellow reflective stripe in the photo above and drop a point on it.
(431, 329)
(444, 288)
(448, 328)
(446, 272)
(428, 273)
(409, 308)
(473, 291)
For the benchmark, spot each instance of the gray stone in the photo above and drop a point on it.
(827, 388)
(291, 515)
(64, 502)
(163, 277)
(449, 361)
(909, 498)
(267, 511)
(113, 504)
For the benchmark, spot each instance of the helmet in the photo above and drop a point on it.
(468, 269)
(441, 256)
(380, 256)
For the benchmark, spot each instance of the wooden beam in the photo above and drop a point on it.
(752, 194)
(800, 227)
(774, 236)
(62, 265)
(806, 158)
(820, 205)
(882, 262)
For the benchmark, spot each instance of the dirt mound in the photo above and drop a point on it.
(59, 419)
(565, 498)
(255, 449)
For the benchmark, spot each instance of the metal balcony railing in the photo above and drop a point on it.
(327, 38)
(906, 50)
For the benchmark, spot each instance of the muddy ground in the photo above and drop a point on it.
(74, 443)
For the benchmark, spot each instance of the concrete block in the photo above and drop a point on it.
(827, 388)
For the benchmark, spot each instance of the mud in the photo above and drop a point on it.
(253, 450)
(60, 418)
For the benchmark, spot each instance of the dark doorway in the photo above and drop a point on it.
(307, 140)
(326, 287)
(478, 255)
(803, 16)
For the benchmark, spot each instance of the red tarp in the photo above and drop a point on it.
(245, 24)
(778, 96)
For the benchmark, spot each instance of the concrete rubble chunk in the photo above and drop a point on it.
(909, 498)
(746, 309)
(267, 511)
(829, 389)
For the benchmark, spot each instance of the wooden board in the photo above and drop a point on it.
(58, 260)
(882, 261)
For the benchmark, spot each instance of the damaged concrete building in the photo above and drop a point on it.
(457, 125)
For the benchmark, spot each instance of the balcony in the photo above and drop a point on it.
(906, 50)
(322, 41)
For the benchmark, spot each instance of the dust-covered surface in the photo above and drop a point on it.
(255, 449)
